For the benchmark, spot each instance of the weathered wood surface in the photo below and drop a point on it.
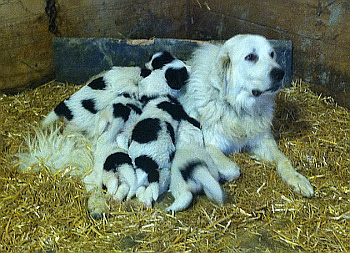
(90, 56)
(26, 55)
(319, 29)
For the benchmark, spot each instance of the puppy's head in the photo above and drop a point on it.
(164, 75)
(247, 67)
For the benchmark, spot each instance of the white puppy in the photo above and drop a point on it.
(231, 92)
(192, 169)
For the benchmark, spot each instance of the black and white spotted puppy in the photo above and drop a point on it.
(80, 110)
(192, 169)
(152, 143)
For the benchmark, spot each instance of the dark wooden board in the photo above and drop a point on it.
(77, 59)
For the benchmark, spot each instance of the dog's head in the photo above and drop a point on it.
(164, 75)
(247, 67)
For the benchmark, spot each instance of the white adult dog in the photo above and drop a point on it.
(231, 92)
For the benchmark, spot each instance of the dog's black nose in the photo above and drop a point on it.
(277, 74)
(256, 93)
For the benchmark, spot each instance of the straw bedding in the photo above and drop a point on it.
(44, 211)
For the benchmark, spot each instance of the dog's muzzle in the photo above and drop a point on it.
(276, 76)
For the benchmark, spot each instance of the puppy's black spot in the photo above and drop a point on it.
(145, 99)
(146, 130)
(189, 168)
(97, 84)
(171, 131)
(176, 111)
(162, 60)
(89, 104)
(171, 156)
(145, 72)
(62, 110)
(104, 187)
(134, 108)
(121, 111)
(149, 166)
(126, 95)
(115, 160)
(173, 99)
(194, 122)
(176, 78)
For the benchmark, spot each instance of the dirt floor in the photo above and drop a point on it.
(42, 211)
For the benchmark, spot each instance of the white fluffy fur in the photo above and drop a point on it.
(65, 153)
(190, 148)
(219, 95)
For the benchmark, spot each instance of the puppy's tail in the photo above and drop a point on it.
(50, 118)
(210, 186)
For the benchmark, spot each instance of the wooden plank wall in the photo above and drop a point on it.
(319, 29)
(26, 56)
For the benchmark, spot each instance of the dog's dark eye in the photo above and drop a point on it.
(272, 54)
(251, 57)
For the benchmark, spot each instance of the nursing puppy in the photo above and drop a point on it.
(231, 92)
(80, 111)
(192, 169)
(112, 164)
(152, 144)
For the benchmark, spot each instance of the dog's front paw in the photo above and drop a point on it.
(300, 183)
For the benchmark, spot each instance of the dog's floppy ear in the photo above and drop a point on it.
(223, 67)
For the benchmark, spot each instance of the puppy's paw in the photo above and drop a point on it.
(122, 192)
(97, 205)
(229, 171)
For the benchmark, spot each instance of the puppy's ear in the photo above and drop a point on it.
(176, 78)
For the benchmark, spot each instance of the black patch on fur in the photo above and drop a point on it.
(97, 84)
(189, 168)
(121, 111)
(146, 130)
(171, 156)
(176, 111)
(145, 99)
(104, 187)
(62, 110)
(115, 160)
(145, 72)
(162, 60)
(89, 104)
(173, 99)
(176, 78)
(149, 166)
(135, 108)
(126, 95)
(194, 122)
(171, 131)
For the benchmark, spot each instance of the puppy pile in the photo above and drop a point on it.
(144, 141)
